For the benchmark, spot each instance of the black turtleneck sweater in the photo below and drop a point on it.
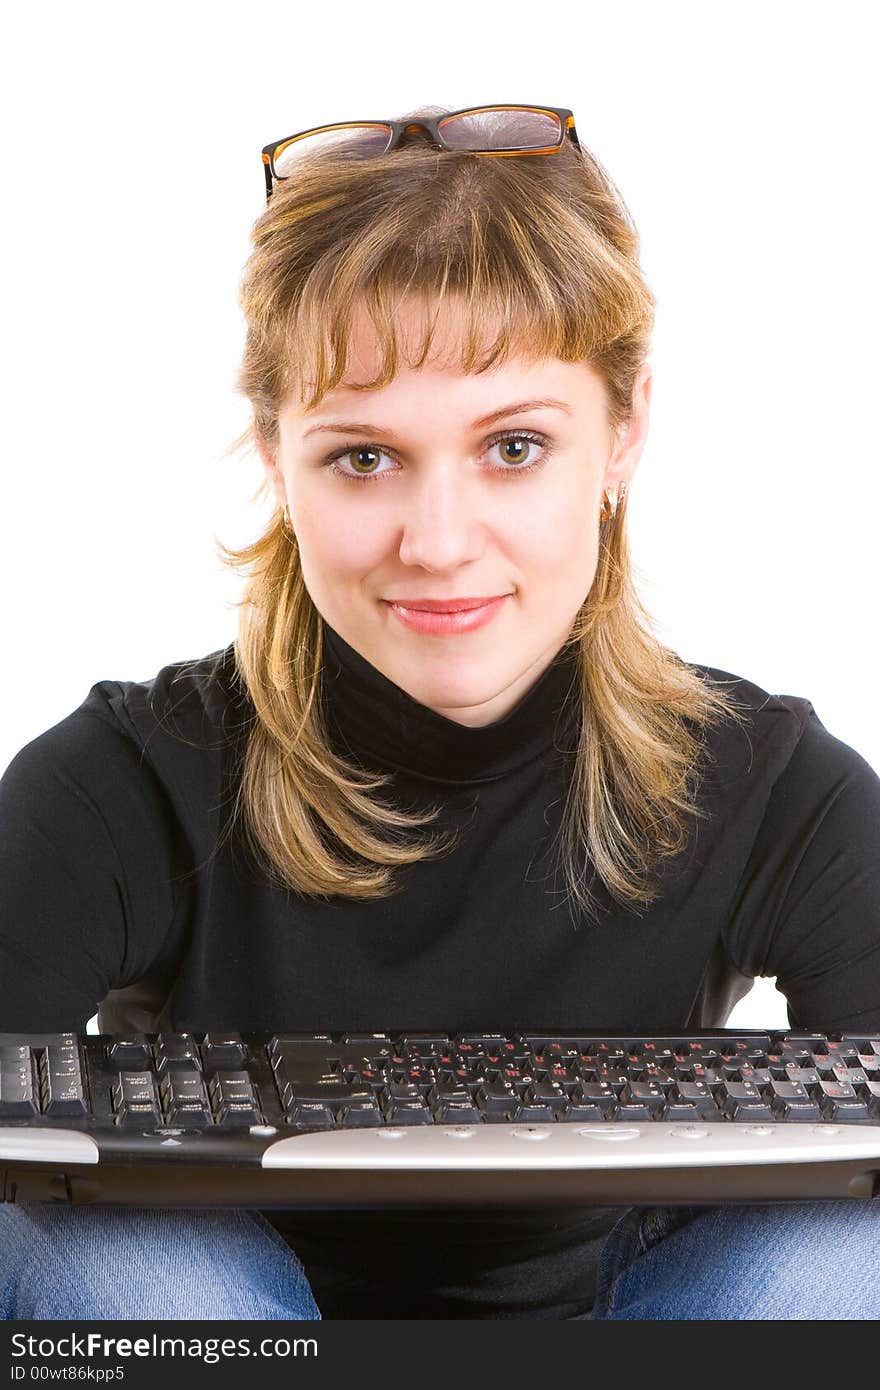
(113, 896)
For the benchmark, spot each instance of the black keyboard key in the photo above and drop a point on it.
(178, 1051)
(62, 1082)
(534, 1114)
(185, 1100)
(360, 1114)
(838, 1101)
(330, 1090)
(135, 1100)
(644, 1093)
(546, 1092)
(497, 1099)
(408, 1112)
(19, 1095)
(309, 1115)
(233, 1098)
(680, 1110)
(422, 1045)
(304, 1075)
(224, 1050)
(393, 1091)
(632, 1111)
(741, 1100)
(448, 1092)
(696, 1094)
(580, 1110)
(596, 1093)
(790, 1100)
(449, 1113)
(130, 1053)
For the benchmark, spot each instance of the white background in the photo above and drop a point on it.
(744, 140)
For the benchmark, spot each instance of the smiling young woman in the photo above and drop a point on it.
(471, 338)
(444, 718)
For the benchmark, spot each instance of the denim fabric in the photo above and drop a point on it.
(777, 1261)
(800, 1260)
(99, 1262)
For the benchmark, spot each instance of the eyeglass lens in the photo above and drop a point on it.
(513, 128)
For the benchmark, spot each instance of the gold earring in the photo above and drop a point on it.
(611, 500)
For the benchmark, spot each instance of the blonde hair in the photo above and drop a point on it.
(543, 249)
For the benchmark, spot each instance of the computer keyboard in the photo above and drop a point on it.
(377, 1120)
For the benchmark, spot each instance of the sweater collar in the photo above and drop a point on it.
(377, 720)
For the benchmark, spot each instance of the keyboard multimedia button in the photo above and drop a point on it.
(62, 1083)
(609, 1132)
(65, 1100)
(17, 1094)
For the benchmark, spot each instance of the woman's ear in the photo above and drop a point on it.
(631, 437)
(270, 466)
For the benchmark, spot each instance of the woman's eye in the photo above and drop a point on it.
(517, 453)
(362, 461)
(515, 450)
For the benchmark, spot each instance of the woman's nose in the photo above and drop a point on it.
(443, 521)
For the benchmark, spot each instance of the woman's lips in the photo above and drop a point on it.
(445, 605)
(450, 617)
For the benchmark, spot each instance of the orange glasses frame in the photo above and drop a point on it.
(433, 127)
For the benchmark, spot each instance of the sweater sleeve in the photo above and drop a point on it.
(815, 885)
(86, 873)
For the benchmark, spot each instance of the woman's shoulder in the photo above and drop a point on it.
(200, 694)
(779, 733)
(753, 698)
(175, 721)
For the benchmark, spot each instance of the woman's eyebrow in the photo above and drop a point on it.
(366, 427)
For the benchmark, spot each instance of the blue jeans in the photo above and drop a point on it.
(779, 1261)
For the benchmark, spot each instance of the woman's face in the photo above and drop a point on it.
(432, 496)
